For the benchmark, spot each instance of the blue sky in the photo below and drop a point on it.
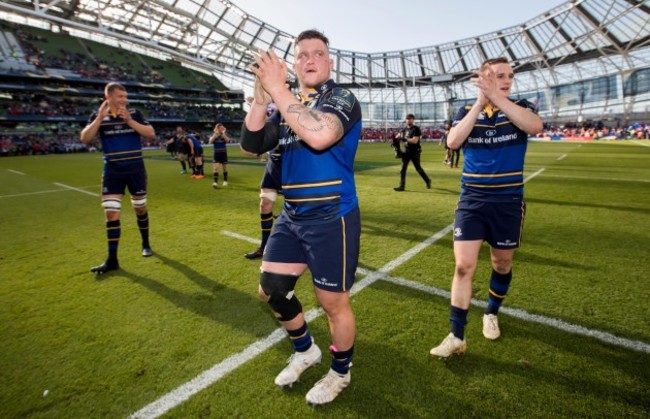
(390, 25)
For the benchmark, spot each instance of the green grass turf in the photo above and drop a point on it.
(108, 346)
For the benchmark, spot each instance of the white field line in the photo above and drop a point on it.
(241, 237)
(608, 179)
(16, 172)
(524, 315)
(72, 188)
(644, 143)
(218, 371)
(33, 193)
(562, 156)
(531, 177)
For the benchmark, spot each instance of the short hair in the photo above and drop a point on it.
(410, 116)
(311, 34)
(491, 61)
(111, 87)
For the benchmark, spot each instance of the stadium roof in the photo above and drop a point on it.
(217, 36)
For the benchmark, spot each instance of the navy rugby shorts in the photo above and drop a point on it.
(220, 157)
(114, 183)
(498, 223)
(330, 250)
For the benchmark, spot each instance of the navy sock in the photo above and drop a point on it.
(458, 319)
(499, 285)
(113, 232)
(300, 338)
(143, 225)
(341, 360)
(266, 222)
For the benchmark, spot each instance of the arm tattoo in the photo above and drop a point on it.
(313, 120)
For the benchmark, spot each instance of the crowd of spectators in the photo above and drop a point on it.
(637, 130)
(388, 133)
(65, 137)
(86, 65)
(40, 105)
(32, 144)
(591, 131)
(192, 111)
(49, 106)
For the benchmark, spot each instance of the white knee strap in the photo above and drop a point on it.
(139, 203)
(271, 196)
(112, 204)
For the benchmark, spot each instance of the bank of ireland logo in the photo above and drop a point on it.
(458, 232)
(491, 132)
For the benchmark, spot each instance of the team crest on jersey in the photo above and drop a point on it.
(342, 99)
(458, 232)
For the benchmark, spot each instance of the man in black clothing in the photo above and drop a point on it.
(411, 135)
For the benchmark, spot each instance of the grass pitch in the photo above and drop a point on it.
(76, 345)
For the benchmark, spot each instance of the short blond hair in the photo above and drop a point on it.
(111, 87)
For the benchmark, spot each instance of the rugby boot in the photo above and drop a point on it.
(298, 362)
(449, 346)
(255, 254)
(108, 265)
(327, 388)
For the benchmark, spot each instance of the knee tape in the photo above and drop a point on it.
(271, 196)
(279, 288)
(139, 203)
(112, 204)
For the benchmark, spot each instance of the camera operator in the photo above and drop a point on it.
(411, 134)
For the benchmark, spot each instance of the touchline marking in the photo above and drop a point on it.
(75, 189)
(16, 172)
(595, 179)
(523, 315)
(33, 193)
(240, 237)
(534, 174)
(218, 371)
(637, 142)
(562, 156)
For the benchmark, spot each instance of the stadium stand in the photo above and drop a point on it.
(51, 82)
(581, 73)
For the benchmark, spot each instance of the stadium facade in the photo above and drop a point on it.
(585, 60)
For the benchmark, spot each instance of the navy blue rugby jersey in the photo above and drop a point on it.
(121, 144)
(197, 143)
(319, 185)
(494, 154)
(219, 145)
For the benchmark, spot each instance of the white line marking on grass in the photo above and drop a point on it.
(240, 237)
(72, 188)
(16, 172)
(608, 179)
(33, 193)
(562, 156)
(220, 370)
(637, 142)
(523, 315)
(534, 174)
